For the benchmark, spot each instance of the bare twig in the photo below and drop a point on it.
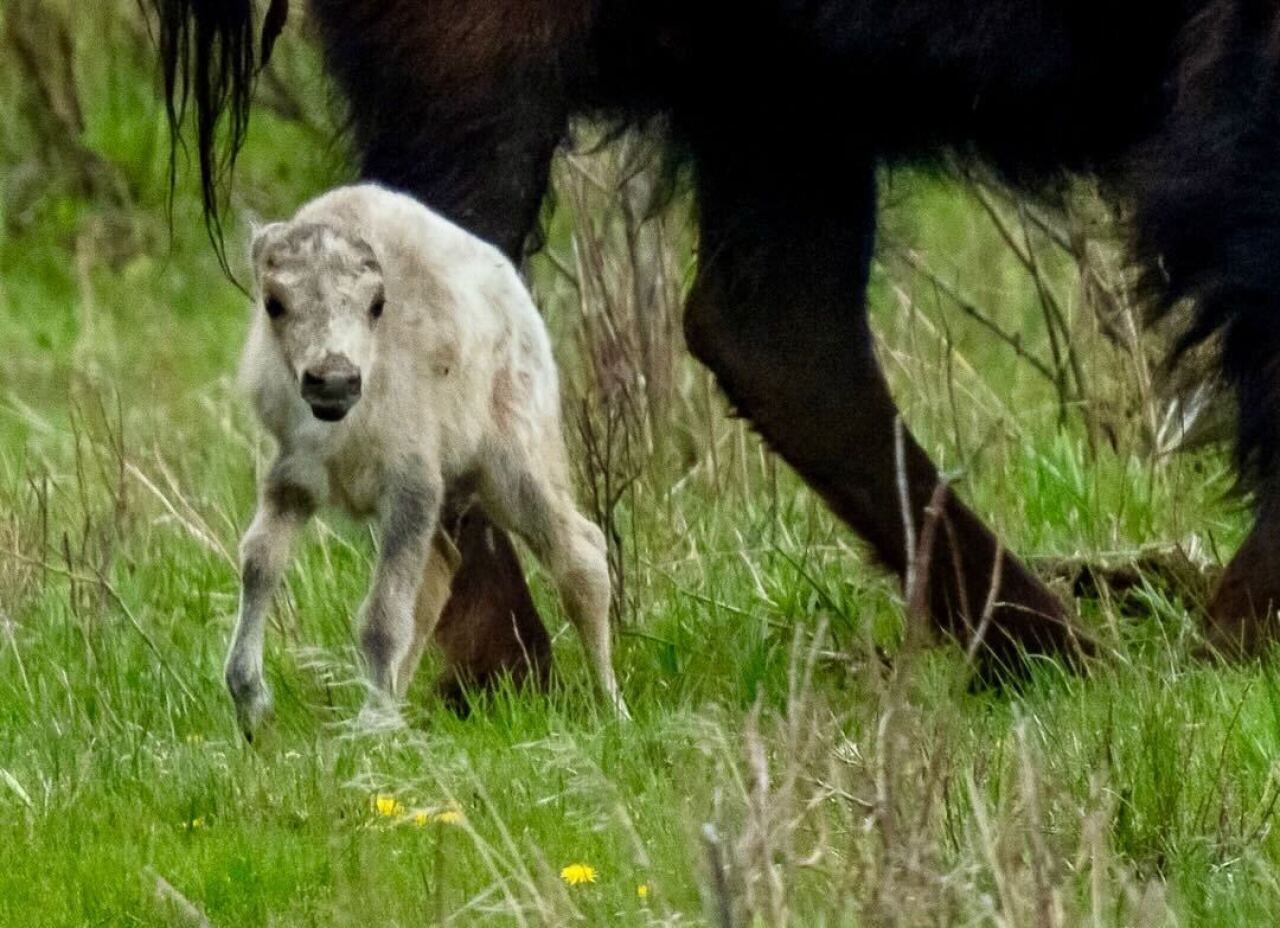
(989, 608)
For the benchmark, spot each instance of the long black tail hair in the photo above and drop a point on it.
(210, 56)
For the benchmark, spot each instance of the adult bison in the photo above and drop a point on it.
(784, 109)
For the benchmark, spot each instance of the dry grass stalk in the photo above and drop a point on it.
(624, 311)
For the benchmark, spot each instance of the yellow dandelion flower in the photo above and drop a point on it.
(576, 874)
(387, 806)
(643, 890)
(197, 822)
(424, 817)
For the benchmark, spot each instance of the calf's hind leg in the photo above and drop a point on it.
(433, 593)
(777, 313)
(524, 498)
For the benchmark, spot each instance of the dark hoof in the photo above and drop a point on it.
(453, 693)
(1241, 623)
(1023, 632)
(1242, 614)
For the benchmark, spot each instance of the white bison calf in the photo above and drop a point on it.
(396, 358)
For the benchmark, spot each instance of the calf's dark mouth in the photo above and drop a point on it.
(330, 412)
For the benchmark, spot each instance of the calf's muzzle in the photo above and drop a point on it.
(331, 387)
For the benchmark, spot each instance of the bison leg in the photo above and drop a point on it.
(777, 312)
(1206, 225)
(1242, 614)
(490, 628)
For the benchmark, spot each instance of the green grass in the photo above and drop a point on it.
(836, 792)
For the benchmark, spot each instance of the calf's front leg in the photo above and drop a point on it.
(283, 510)
(433, 593)
(410, 512)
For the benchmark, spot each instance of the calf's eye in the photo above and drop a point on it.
(275, 309)
(375, 310)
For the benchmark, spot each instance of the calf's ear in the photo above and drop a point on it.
(261, 238)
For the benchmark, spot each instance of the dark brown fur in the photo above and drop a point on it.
(489, 629)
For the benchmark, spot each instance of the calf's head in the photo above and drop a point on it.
(322, 292)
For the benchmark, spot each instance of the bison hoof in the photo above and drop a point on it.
(1029, 622)
(1242, 613)
(1242, 618)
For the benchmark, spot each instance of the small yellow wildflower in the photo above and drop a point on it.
(387, 806)
(643, 890)
(197, 822)
(576, 874)
(422, 817)
(195, 739)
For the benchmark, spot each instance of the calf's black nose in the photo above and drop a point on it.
(331, 388)
(331, 384)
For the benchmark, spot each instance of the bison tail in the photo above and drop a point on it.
(209, 57)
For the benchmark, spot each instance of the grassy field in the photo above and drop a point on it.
(778, 770)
